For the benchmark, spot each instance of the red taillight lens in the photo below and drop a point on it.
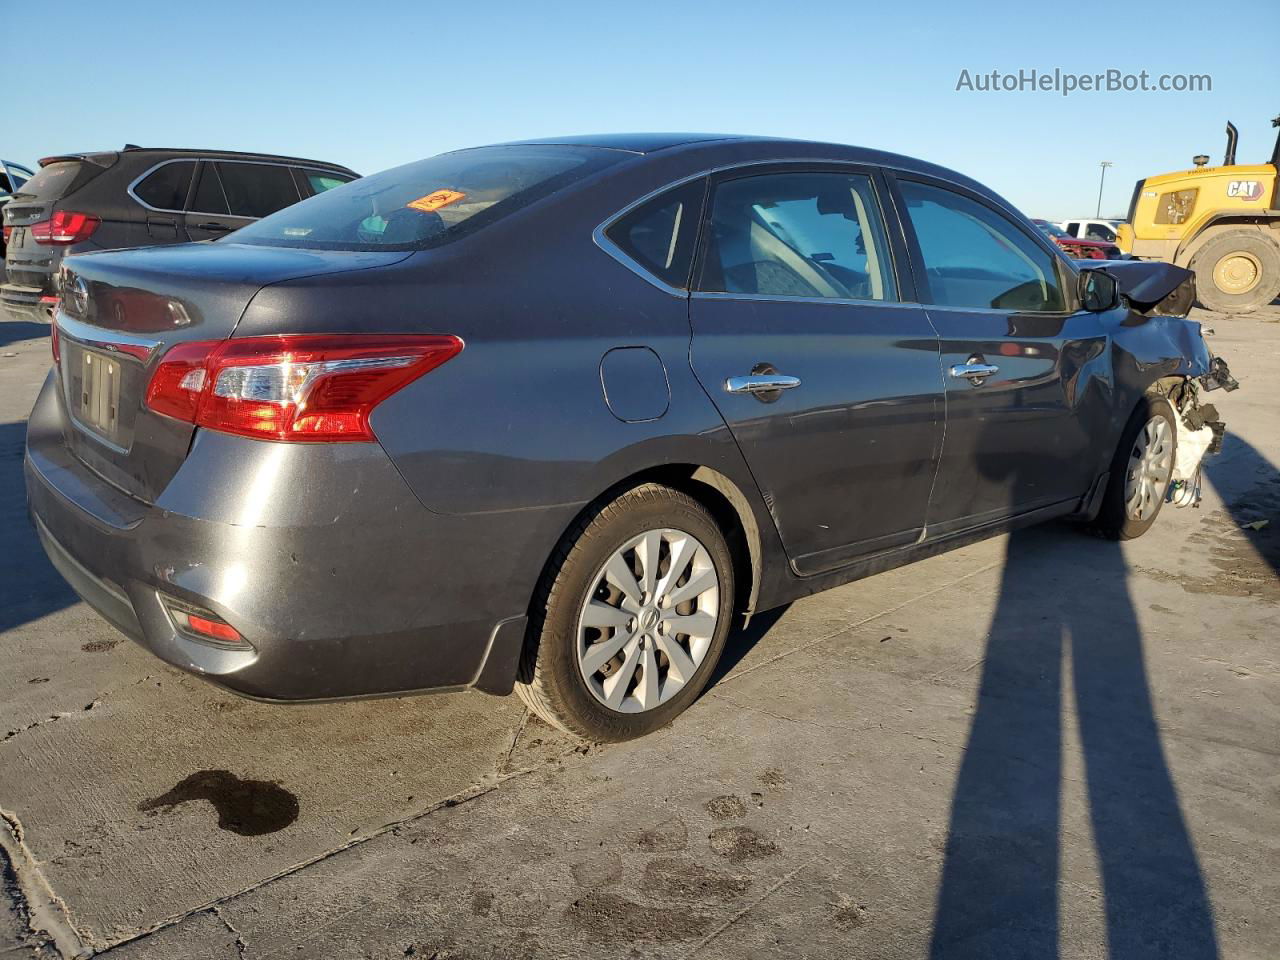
(200, 624)
(178, 383)
(54, 345)
(64, 227)
(214, 629)
(302, 388)
(8, 231)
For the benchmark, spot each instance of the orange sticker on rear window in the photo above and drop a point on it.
(434, 201)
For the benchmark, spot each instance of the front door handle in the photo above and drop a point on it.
(214, 227)
(975, 370)
(761, 383)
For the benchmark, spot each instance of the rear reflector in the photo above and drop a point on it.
(301, 388)
(64, 227)
(200, 624)
(215, 629)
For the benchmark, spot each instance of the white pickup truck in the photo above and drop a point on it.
(1092, 229)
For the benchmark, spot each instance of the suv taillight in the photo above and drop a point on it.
(64, 227)
(309, 388)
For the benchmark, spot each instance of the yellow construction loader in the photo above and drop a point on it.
(1221, 222)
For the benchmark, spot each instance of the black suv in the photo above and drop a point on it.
(140, 197)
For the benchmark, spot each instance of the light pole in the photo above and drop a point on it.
(1101, 180)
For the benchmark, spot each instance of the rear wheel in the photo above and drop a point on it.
(631, 617)
(1237, 272)
(1140, 471)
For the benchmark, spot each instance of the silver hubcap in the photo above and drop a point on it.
(1150, 468)
(648, 620)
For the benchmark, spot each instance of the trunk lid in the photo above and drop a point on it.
(122, 310)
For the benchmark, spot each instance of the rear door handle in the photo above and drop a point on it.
(760, 383)
(974, 370)
(220, 227)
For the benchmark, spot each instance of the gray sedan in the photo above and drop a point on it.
(556, 415)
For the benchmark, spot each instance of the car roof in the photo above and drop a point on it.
(714, 150)
(131, 149)
(636, 142)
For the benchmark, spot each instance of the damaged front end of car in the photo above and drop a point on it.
(1159, 351)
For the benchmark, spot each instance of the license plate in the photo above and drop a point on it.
(99, 400)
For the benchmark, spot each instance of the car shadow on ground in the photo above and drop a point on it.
(1065, 613)
(30, 587)
(13, 331)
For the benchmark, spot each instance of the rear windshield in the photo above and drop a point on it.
(428, 203)
(52, 182)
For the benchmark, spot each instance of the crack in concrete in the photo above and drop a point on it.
(505, 765)
(242, 948)
(45, 913)
(474, 792)
(714, 934)
(52, 718)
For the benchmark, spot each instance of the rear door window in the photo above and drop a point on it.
(165, 188)
(660, 235)
(256, 189)
(209, 197)
(811, 235)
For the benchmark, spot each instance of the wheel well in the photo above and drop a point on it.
(723, 500)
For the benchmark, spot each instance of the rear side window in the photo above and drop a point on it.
(256, 189)
(974, 257)
(660, 235)
(812, 235)
(431, 202)
(165, 188)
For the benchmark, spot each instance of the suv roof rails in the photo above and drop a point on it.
(134, 148)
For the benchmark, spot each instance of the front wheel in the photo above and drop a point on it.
(1140, 471)
(631, 618)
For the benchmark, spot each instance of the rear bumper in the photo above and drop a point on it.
(25, 303)
(342, 582)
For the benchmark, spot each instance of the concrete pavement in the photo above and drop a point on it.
(1040, 745)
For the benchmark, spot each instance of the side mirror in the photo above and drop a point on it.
(1098, 290)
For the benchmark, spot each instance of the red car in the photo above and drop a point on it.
(1078, 248)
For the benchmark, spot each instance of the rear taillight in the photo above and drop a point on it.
(64, 227)
(8, 231)
(54, 344)
(302, 388)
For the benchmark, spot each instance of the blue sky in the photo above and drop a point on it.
(373, 84)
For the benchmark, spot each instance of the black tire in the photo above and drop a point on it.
(549, 680)
(1258, 251)
(1113, 521)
